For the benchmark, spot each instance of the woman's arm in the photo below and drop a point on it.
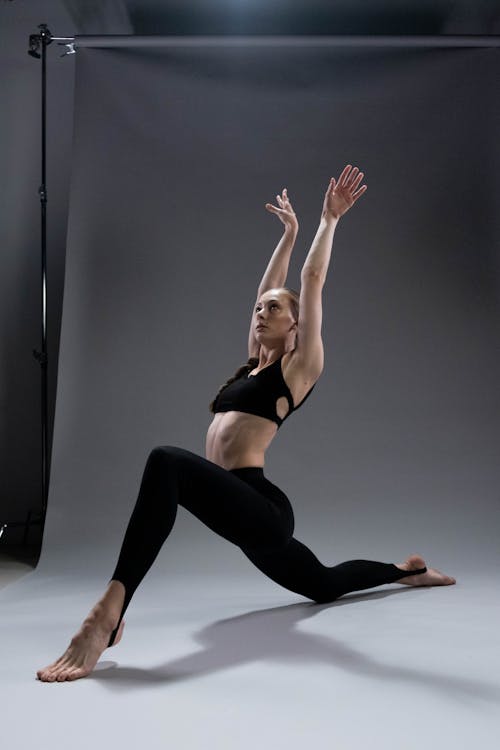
(339, 198)
(277, 268)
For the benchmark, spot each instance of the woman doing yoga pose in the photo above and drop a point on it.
(227, 490)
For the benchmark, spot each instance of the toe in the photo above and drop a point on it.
(63, 675)
(52, 669)
(76, 673)
(63, 663)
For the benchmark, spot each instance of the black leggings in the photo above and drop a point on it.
(245, 508)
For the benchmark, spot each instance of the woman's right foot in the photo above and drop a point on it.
(92, 639)
(433, 577)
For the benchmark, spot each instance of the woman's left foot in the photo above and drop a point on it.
(87, 645)
(84, 651)
(433, 577)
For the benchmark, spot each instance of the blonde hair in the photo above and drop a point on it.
(294, 300)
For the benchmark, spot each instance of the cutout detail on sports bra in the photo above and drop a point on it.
(282, 407)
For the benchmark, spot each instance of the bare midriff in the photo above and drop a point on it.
(235, 439)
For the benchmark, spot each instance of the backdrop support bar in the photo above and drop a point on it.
(409, 40)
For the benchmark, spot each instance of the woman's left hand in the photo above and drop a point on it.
(341, 195)
(285, 212)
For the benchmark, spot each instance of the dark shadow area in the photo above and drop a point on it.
(26, 553)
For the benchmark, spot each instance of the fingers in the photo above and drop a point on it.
(285, 207)
(342, 181)
(353, 187)
(359, 192)
(352, 177)
(356, 182)
(283, 199)
(349, 180)
(274, 209)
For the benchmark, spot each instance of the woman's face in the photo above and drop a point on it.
(273, 316)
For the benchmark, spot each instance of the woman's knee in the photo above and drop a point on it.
(165, 454)
(162, 458)
(171, 461)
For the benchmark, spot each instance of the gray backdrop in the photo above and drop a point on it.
(175, 154)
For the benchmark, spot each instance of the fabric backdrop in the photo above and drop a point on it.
(175, 154)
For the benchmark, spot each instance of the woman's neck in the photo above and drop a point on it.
(267, 355)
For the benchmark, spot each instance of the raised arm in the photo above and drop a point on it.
(277, 268)
(339, 198)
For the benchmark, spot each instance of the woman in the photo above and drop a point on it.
(227, 490)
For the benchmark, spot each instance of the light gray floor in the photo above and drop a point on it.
(221, 662)
(12, 569)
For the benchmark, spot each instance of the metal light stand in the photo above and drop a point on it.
(43, 39)
(38, 49)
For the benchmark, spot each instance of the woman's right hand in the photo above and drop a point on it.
(285, 212)
(341, 196)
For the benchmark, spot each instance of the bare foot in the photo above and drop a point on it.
(433, 577)
(92, 639)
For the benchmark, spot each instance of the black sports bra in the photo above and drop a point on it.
(258, 394)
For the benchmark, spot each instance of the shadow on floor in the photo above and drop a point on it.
(272, 635)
